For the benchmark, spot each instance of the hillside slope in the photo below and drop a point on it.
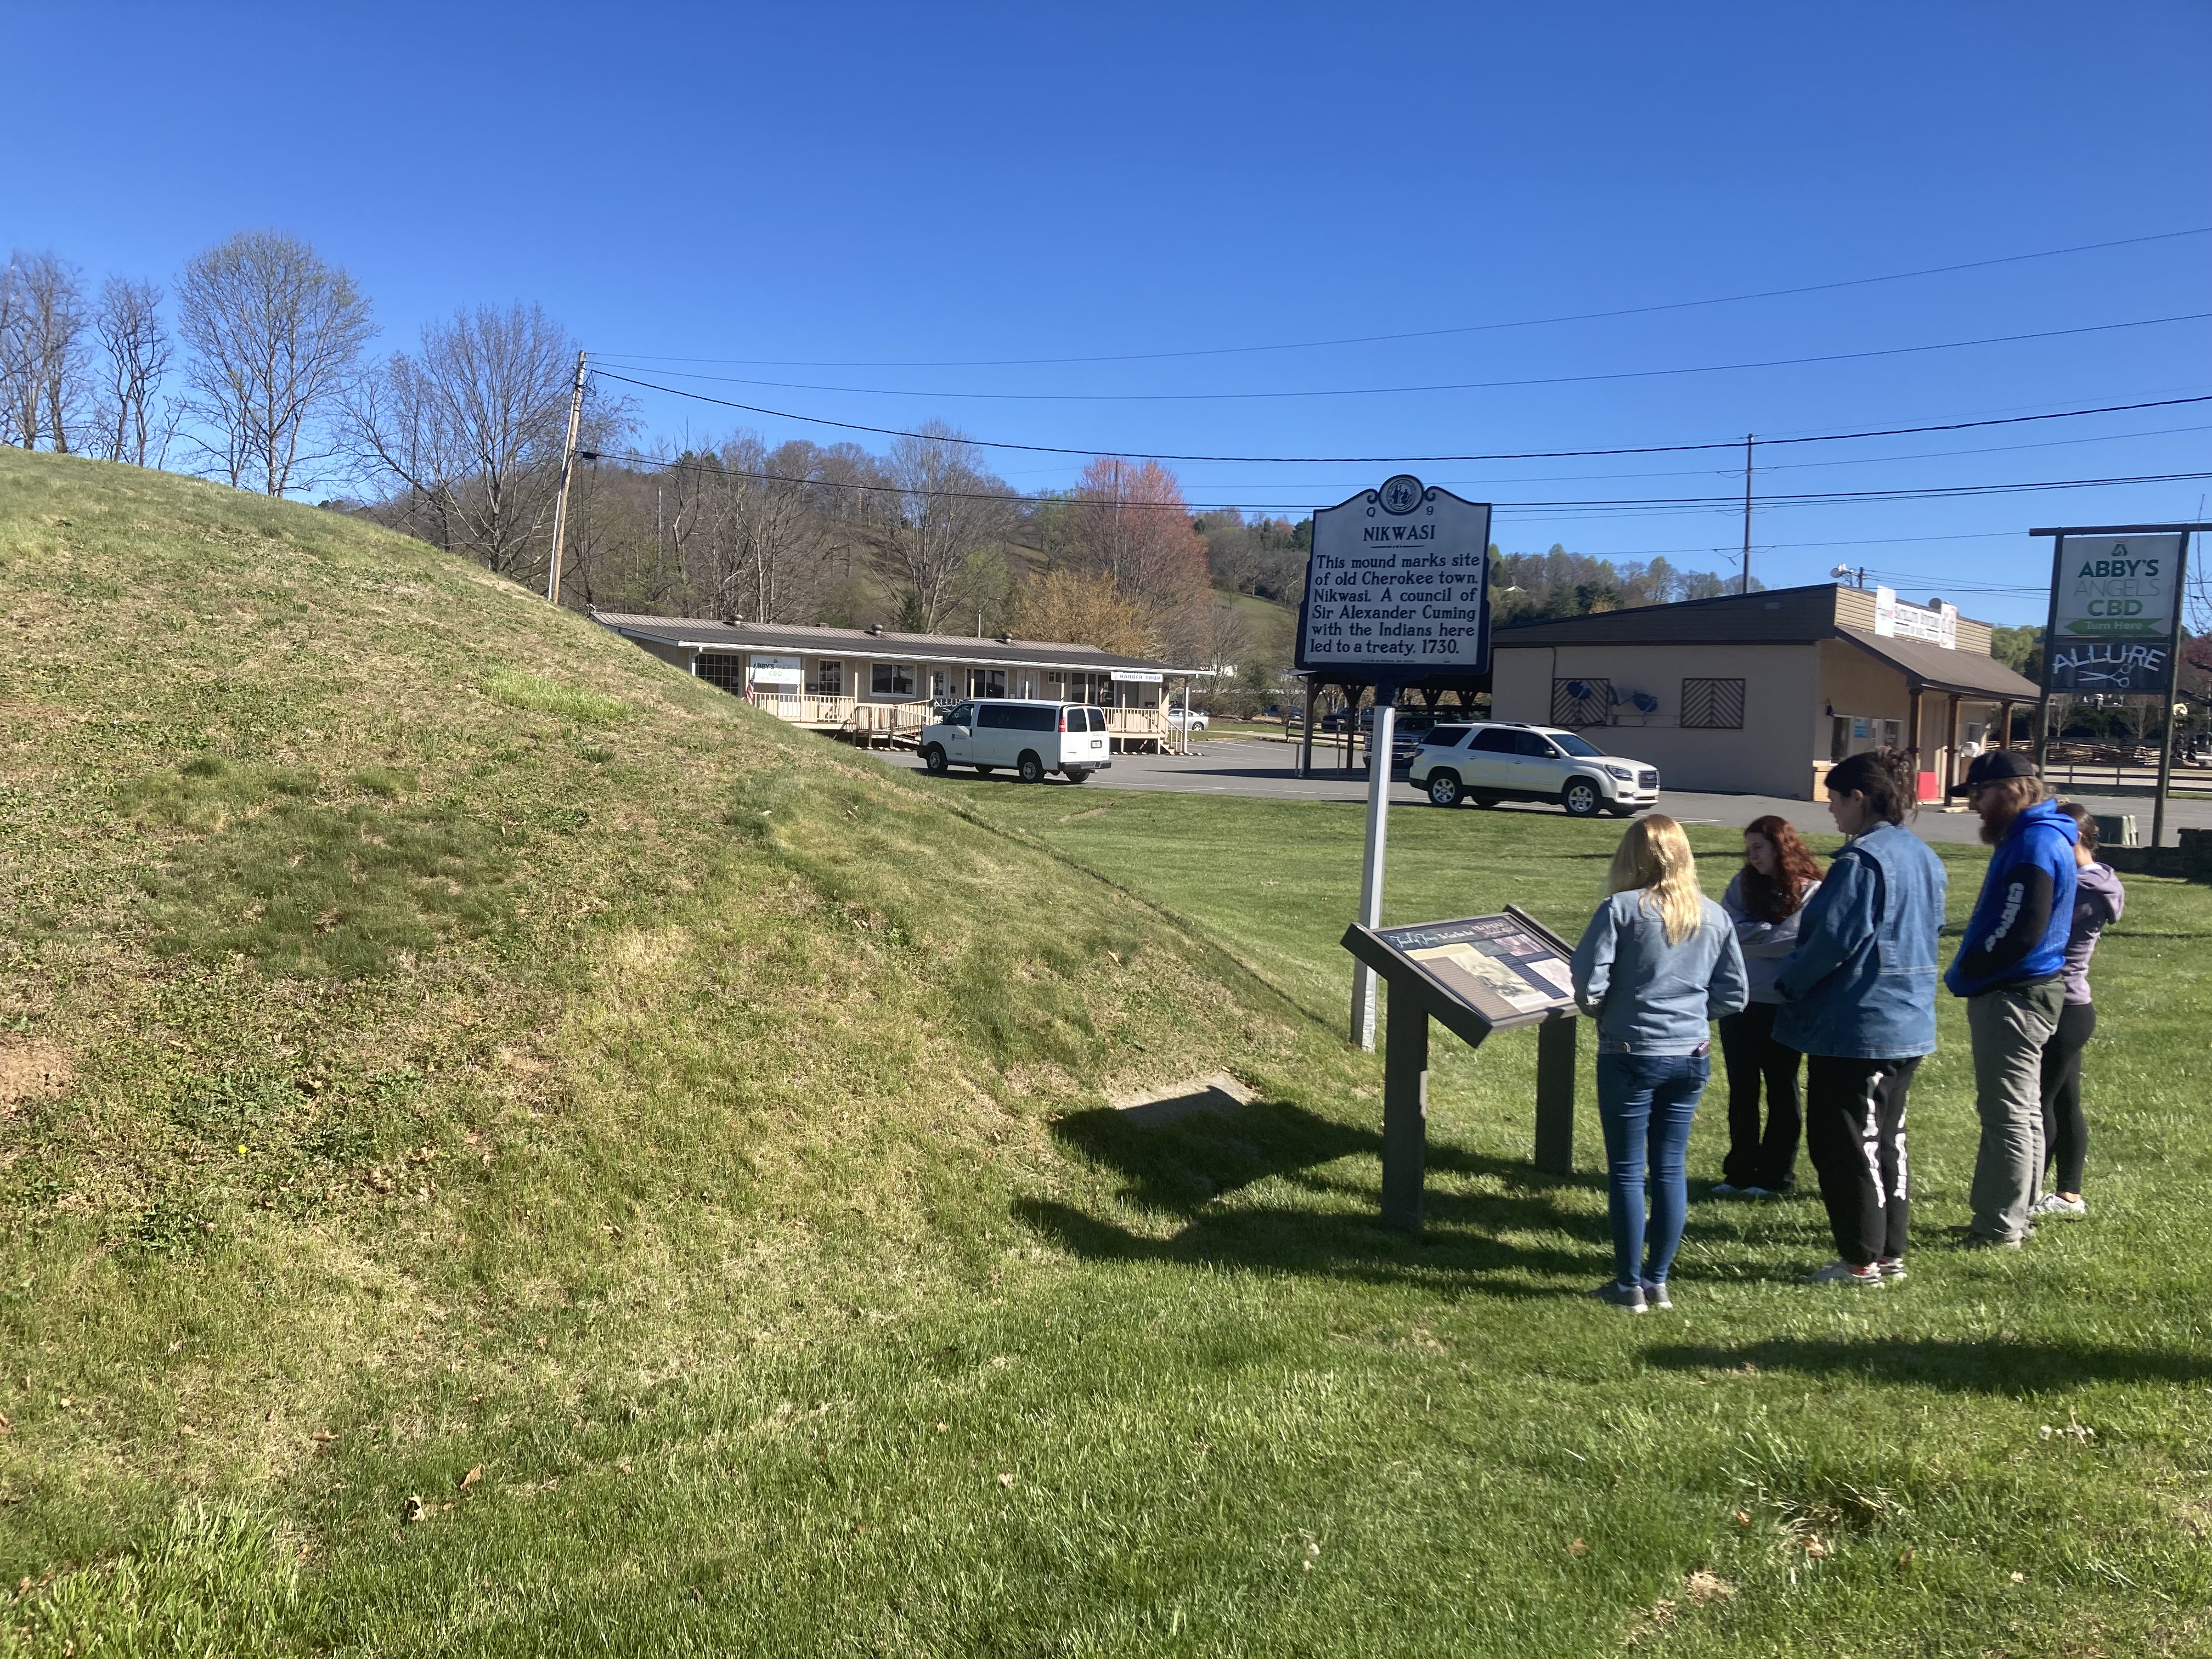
(398, 970)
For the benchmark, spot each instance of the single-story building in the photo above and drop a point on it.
(1762, 693)
(870, 684)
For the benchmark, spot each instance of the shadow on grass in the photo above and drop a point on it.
(1178, 1169)
(1959, 1365)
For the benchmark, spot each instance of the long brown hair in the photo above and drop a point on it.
(1655, 856)
(1777, 900)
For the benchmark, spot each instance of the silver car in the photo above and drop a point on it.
(1490, 761)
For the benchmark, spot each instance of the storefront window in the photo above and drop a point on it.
(891, 679)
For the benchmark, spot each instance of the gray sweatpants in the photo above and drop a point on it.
(2010, 1025)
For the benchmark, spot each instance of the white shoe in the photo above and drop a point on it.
(2057, 1204)
(1842, 1273)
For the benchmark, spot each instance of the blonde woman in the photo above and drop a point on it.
(1658, 962)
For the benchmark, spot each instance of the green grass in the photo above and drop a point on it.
(454, 1066)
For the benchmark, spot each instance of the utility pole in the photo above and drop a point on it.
(561, 502)
(1747, 512)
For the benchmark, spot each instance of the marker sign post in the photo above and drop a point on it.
(2115, 627)
(1397, 589)
(1475, 974)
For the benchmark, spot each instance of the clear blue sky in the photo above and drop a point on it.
(807, 187)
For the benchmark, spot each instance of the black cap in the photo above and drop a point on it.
(1998, 765)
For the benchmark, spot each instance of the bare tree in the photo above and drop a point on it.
(42, 324)
(948, 507)
(135, 349)
(751, 533)
(275, 335)
(472, 429)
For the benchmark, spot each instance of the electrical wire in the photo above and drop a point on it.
(1390, 460)
(1440, 333)
(1627, 504)
(1451, 385)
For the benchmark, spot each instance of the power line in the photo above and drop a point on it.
(1440, 333)
(1452, 386)
(1624, 504)
(1389, 460)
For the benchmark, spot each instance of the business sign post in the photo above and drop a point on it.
(1397, 589)
(2115, 626)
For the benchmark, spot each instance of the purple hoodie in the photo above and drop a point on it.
(2098, 899)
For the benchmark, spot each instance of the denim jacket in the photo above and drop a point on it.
(1862, 981)
(1650, 997)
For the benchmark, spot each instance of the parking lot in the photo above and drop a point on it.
(1266, 769)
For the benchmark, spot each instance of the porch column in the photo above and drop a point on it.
(1951, 751)
(1912, 740)
(2004, 726)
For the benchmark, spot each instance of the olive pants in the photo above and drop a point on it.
(2010, 1025)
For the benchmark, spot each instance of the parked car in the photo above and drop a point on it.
(1180, 719)
(1490, 761)
(1032, 737)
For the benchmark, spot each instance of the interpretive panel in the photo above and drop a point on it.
(1398, 585)
(1502, 969)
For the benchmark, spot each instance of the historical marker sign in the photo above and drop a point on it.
(1397, 585)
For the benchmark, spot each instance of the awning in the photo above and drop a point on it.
(1929, 668)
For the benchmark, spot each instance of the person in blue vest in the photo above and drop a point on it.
(2010, 969)
(1858, 1000)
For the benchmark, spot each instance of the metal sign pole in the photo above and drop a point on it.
(2050, 650)
(2172, 695)
(1371, 865)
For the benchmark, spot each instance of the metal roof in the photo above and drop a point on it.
(1933, 668)
(1788, 616)
(807, 639)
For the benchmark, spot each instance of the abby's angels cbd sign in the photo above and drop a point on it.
(1398, 584)
(2112, 613)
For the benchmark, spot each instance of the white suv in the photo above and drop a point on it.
(1033, 738)
(1491, 761)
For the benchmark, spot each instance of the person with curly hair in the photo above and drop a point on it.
(1765, 900)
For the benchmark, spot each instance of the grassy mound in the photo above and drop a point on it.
(504, 1149)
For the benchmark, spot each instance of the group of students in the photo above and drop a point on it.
(1838, 971)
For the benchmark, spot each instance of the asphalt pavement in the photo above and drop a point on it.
(1265, 770)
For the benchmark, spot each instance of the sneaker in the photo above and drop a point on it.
(2057, 1204)
(1754, 1191)
(1723, 1189)
(1974, 1241)
(1842, 1273)
(1891, 1267)
(1654, 1295)
(1627, 1297)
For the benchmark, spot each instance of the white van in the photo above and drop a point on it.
(1032, 737)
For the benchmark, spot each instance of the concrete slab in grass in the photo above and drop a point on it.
(1215, 1091)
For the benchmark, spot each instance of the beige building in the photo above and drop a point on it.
(1761, 693)
(871, 685)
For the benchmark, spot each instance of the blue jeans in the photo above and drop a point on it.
(1645, 1102)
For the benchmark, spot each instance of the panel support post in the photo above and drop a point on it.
(1555, 1097)
(1305, 731)
(1364, 982)
(1405, 1109)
